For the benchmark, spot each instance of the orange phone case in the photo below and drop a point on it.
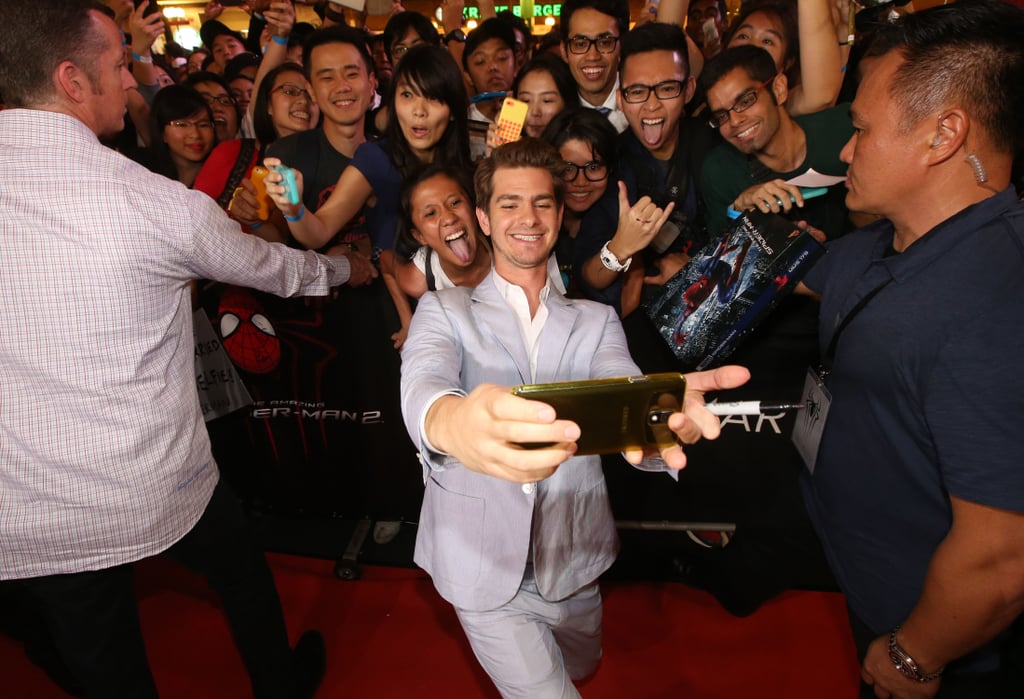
(258, 174)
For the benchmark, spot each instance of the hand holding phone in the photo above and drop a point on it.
(291, 189)
(614, 415)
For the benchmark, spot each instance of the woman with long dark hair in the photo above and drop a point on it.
(427, 125)
(182, 129)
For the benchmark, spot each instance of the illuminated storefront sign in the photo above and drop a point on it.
(539, 10)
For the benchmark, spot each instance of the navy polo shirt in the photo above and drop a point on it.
(928, 399)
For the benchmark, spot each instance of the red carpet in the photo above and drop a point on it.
(390, 635)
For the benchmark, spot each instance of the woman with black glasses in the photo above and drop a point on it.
(586, 141)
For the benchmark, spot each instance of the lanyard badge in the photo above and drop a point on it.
(810, 423)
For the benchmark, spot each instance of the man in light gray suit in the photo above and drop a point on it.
(515, 539)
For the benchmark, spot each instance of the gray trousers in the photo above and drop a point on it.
(532, 648)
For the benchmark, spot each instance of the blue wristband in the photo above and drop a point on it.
(256, 224)
(293, 219)
(282, 40)
(142, 59)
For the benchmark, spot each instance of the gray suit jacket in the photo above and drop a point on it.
(474, 531)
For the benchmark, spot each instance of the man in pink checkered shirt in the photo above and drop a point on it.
(104, 456)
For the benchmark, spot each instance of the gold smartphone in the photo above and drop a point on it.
(613, 414)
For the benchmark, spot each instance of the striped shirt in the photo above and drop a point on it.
(104, 456)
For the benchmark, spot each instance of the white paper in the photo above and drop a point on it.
(813, 178)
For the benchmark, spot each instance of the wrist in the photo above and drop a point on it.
(621, 250)
(281, 40)
(435, 420)
(298, 216)
(612, 260)
(144, 57)
(906, 665)
(456, 35)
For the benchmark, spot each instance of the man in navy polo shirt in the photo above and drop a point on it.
(917, 489)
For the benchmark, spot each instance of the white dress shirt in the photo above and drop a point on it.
(610, 108)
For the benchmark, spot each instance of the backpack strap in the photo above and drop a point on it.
(246, 149)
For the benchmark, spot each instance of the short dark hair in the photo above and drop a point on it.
(405, 243)
(517, 22)
(493, 28)
(435, 74)
(204, 76)
(589, 126)
(754, 60)
(654, 36)
(618, 9)
(971, 53)
(335, 34)
(559, 72)
(527, 152)
(723, 9)
(29, 52)
(262, 123)
(400, 24)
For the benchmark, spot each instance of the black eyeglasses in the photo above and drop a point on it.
(581, 44)
(222, 100)
(666, 90)
(291, 91)
(595, 171)
(743, 103)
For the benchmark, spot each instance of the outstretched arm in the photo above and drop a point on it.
(820, 59)
(316, 230)
(280, 18)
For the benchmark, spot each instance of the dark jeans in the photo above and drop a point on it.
(93, 618)
(976, 685)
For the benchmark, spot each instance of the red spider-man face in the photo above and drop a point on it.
(698, 292)
(249, 337)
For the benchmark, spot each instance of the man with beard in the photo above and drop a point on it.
(765, 146)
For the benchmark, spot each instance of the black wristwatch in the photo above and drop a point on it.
(455, 35)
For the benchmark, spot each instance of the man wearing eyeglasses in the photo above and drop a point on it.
(591, 30)
(660, 159)
(764, 146)
(217, 93)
